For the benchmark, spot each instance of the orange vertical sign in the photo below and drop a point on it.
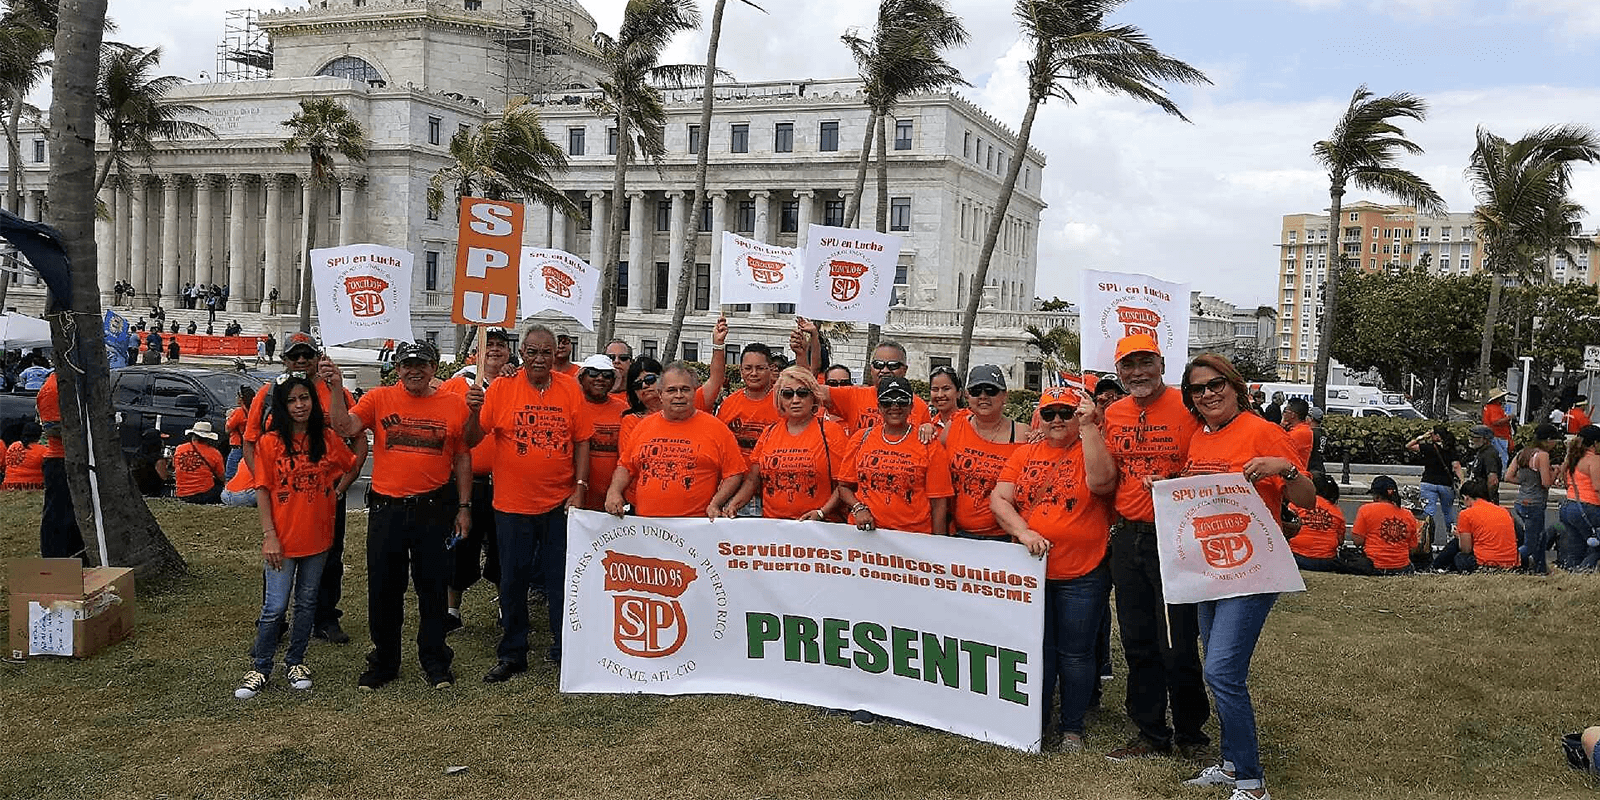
(488, 262)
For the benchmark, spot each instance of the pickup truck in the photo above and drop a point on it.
(170, 399)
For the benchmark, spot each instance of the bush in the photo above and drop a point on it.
(1382, 440)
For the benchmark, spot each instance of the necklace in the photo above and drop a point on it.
(988, 435)
(883, 433)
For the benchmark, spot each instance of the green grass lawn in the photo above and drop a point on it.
(1438, 686)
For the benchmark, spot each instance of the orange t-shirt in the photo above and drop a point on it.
(749, 417)
(1300, 437)
(24, 466)
(570, 370)
(48, 404)
(535, 432)
(858, 407)
(235, 425)
(1247, 436)
(301, 492)
(796, 470)
(897, 480)
(415, 439)
(483, 454)
(1053, 497)
(1576, 419)
(605, 420)
(1494, 415)
(975, 465)
(1321, 531)
(1494, 535)
(1390, 533)
(1151, 440)
(256, 421)
(675, 467)
(243, 479)
(195, 469)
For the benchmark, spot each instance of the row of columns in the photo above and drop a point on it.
(32, 209)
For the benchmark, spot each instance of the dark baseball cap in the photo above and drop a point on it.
(1108, 382)
(895, 388)
(416, 351)
(1383, 483)
(986, 375)
(1481, 431)
(300, 339)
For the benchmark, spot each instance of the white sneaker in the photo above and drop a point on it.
(300, 677)
(1213, 775)
(251, 685)
(1241, 794)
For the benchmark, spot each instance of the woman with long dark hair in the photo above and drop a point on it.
(644, 393)
(1534, 472)
(235, 426)
(1580, 514)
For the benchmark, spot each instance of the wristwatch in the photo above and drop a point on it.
(463, 505)
(1291, 474)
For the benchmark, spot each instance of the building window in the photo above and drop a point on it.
(789, 217)
(705, 217)
(433, 130)
(430, 275)
(783, 137)
(473, 5)
(694, 138)
(691, 351)
(663, 215)
(611, 141)
(352, 68)
(574, 141)
(828, 137)
(587, 207)
(745, 307)
(747, 217)
(432, 214)
(966, 144)
(663, 282)
(622, 284)
(462, 129)
(785, 308)
(627, 214)
(988, 159)
(38, 151)
(833, 213)
(900, 214)
(647, 348)
(1033, 376)
(702, 287)
(902, 134)
(739, 138)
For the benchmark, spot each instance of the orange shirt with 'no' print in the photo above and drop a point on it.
(748, 417)
(605, 446)
(1053, 497)
(536, 432)
(796, 470)
(898, 479)
(975, 465)
(301, 491)
(677, 466)
(414, 439)
(1147, 441)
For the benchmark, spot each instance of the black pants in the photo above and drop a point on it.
(477, 556)
(331, 589)
(407, 540)
(1157, 672)
(58, 527)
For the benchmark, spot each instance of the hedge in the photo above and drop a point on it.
(1382, 440)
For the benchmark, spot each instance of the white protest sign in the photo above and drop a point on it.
(1217, 539)
(363, 292)
(753, 272)
(1117, 304)
(555, 280)
(849, 274)
(935, 630)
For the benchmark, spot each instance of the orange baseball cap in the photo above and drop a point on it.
(1060, 396)
(1137, 343)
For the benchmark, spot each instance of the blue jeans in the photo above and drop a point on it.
(1072, 613)
(235, 455)
(1316, 564)
(1502, 447)
(1440, 503)
(241, 499)
(1534, 543)
(525, 540)
(1229, 630)
(299, 576)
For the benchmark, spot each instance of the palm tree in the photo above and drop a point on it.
(1364, 151)
(501, 158)
(322, 128)
(1073, 49)
(690, 221)
(27, 32)
(630, 94)
(102, 487)
(133, 107)
(1058, 347)
(1523, 207)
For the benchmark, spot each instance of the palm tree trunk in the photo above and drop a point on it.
(313, 209)
(969, 319)
(14, 152)
(853, 212)
(1491, 316)
(105, 169)
(1330, 296)
(612, 246)
(691, 221)
(101, 485)
(875, 332)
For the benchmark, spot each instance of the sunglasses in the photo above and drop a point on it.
(284, 378)
(1214, 385)
(894, 400)
(837, 383)
(888, 365)
(647, 379)
(615, 357)
(985, 391)
(1052, 414)
(790, 394)
(595, 373)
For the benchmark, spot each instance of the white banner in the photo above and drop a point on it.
(1119, 304)
(363, 292)
(1217, 539)
(555, 280)
(753, 272)
(849, 274)
(935, 630)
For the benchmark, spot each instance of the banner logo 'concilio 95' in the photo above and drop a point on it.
(649, 620)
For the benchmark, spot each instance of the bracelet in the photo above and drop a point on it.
(859, 507)
(463, 505)
(584, 484)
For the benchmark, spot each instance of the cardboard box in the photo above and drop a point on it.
(60, 608)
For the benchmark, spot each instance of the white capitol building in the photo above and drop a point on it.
(783, 155)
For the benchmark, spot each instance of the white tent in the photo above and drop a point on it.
(20, 332)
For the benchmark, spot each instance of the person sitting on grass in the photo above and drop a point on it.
(240, 490)
(1385, 530)
(1316, 547)
(24, 467)
(198, 467)
(152, 465)
(1486, 536)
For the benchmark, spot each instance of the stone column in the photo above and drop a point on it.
(237, 186)
(202, 229)
(763, 200)
(861, 216)
(719, 223)
(806, 199)
(597, 230)
(106, 245)
(31, 211)
(306, 223)
(170, 286)
(536, 224)
(138, 219)
(674, 246)
(559, 222)
(348, 218)
(638, 250)
(273, 274)
(120, 212)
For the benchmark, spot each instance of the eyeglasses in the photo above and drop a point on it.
(894, 400)
(616, 357)
(647, 379)
(284, 378)
(586, 372)
(837, 382)
(790, 394)
(888, 365)
(985, 391)
(1052, 414)
(1214, 385)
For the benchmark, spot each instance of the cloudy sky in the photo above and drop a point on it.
(1130, 188)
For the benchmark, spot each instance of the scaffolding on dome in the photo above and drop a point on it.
(538, 55)
(245, 52)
